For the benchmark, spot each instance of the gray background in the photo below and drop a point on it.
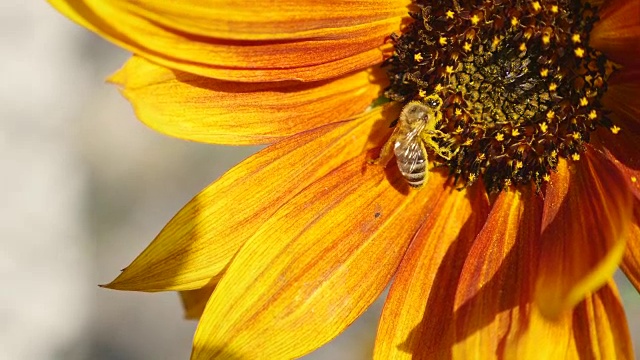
(84, 187)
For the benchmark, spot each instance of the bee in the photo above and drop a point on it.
(414, 132)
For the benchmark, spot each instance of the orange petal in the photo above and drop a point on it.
(194, 301)
(315, 265)
(196, 108)
(596, 329)
(631, 260)
(622, 98)
(417, 317)
(584, 229)
(617, 32)
(315, 58)
(195, 247)
(497, 281)
(622, 151)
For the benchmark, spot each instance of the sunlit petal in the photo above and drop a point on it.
(584, 230)
(504, 256)
(238, 113)
(418, 316)
(195, 247)
(314, 57)
(595, 329)
(300, 273)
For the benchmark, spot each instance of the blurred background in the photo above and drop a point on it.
(84, 187)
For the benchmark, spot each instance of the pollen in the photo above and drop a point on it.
(634, 179)
(520, 86)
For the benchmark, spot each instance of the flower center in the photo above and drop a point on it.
(519, 84)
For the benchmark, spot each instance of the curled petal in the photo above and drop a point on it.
(194, 301)
(317, 263)
(238, 113)
(210, 56)
(584, 228)
(617, 32)
(196, 246)
(417, 319)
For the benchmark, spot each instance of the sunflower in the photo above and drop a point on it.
(523, 151)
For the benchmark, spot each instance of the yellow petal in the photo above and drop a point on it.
(417, 319)
(194, 301)
(195, 247)
(583, 232)
(210, 56)
(617, 32)
(315, 265)
(196, 108)
(595, 329)
(497, 281)
(259, 19)
(631, 260)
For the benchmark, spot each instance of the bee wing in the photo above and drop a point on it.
(408, 150)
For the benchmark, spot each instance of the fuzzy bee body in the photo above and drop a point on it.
(412, 135)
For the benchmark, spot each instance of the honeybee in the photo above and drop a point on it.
(414, 132)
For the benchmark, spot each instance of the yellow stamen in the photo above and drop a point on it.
(450, 14)
(575, 38)
(615, 129)
(418, 57)
(544, 127)
(443, 41)
(575, 157)
(551, 114)
(536, 6)
(579, 52)
(523, 47)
